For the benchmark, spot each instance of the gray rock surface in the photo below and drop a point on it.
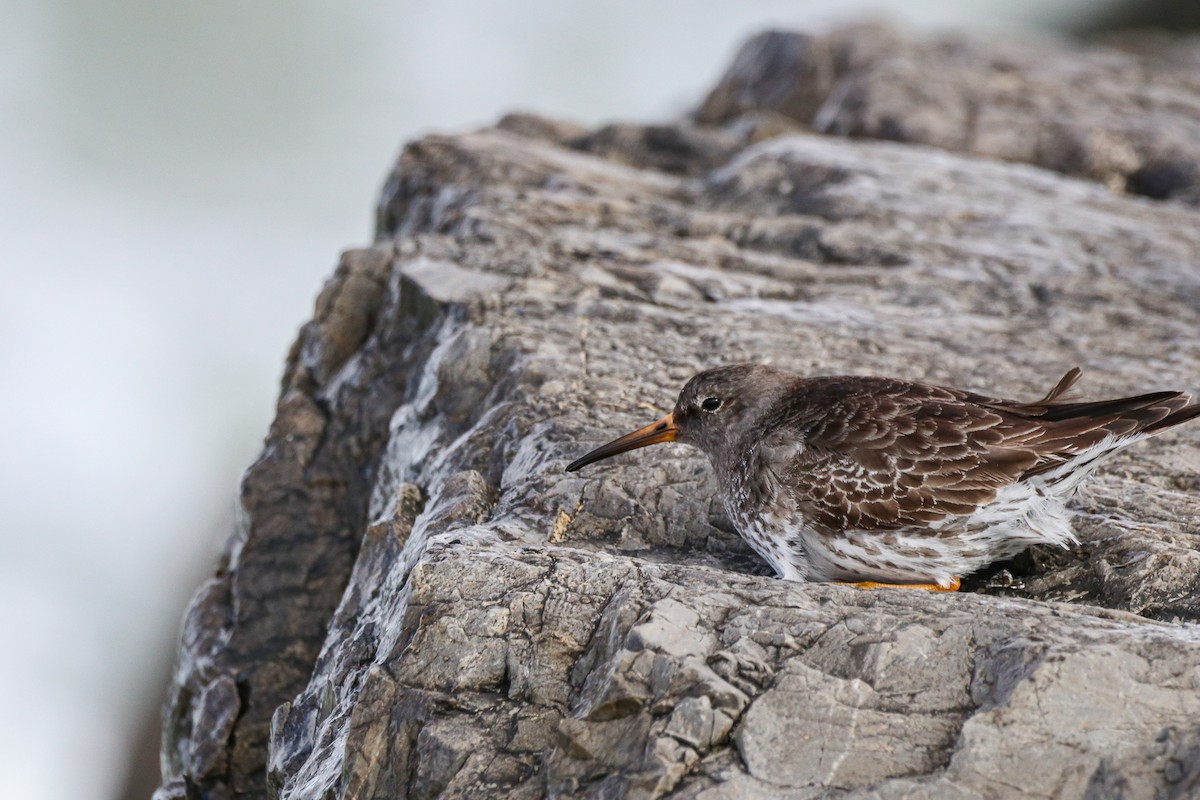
(420, 602)
(1126, 115)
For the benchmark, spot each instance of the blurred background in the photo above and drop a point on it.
(176, 180)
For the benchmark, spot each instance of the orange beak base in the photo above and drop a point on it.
(662, 431)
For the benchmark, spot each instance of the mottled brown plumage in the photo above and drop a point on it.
(878, 479)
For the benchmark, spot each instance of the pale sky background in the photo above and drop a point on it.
(176, 181)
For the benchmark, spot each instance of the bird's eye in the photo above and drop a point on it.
(711, 404)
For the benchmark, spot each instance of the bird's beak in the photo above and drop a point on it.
(664, 430)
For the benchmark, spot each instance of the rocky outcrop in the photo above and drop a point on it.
(421, 602)
(1129, 118)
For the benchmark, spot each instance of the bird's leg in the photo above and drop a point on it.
(932, 587)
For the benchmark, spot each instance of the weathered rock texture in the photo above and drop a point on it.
(1129, 118)
(420, 601)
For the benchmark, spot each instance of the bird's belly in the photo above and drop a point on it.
(1020, 516)
(777, 541)
(902, 555)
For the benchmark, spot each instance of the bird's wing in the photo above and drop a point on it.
(909, 456)
(891, 454)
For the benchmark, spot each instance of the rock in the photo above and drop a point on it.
(421, 602)
(1126, 117)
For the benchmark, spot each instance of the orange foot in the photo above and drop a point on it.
(931, 587)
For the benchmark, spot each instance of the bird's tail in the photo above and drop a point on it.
(1179, 417)
(1076, 436)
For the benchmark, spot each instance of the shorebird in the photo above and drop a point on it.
(886, 482)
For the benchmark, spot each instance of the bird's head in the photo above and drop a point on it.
(717, 409)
